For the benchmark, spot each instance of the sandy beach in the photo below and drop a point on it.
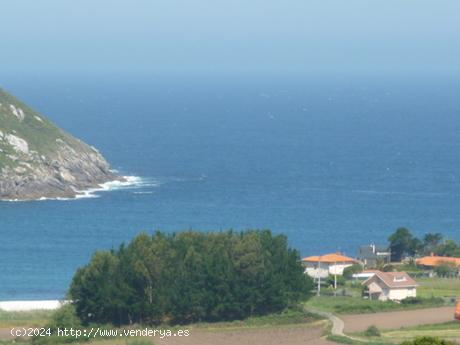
(31, 305)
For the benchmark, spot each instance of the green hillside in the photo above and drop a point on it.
(38, 159)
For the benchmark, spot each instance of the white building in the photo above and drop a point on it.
(325, 265)
(366, 274)
(394, 286)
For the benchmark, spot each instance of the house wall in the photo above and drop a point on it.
(400, 294)
(376, 290)
(312, 270)
(380, 291)
(338, 268)
(385, 295)
(375, 287)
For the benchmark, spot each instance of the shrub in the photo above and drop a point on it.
(349, 271)
(427, 341)
(331, 281)
(388, 268)
(63, 318)
(433, 301)
(445, 271)
(341, 339)
(412, 300)
(372, 331)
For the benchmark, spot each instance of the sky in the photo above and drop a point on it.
(230, 35)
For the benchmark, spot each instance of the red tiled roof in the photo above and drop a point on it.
(393, 279)
(432, 261)
(329, 258)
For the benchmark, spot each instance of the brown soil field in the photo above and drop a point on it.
(398, 319)
(285, 335)
(259, 336)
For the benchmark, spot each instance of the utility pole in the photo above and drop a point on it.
(319, 277)
(335, 278)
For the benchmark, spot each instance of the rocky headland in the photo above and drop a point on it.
(39, 160)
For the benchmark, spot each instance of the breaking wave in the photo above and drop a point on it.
(131, 182)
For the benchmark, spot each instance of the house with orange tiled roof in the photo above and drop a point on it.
(434, 261)
(324, 265)
(394, 286)
(431, 262)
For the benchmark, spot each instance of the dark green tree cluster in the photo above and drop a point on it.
(403, 243)
(189, 277)
(428, 341)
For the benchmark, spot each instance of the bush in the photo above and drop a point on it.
(64, 317)
(427, 341)
(446, 271)
(341, 339)
(423, 301)
(349, 271)
(331, 281)
(372, 331)
(190, 277)
(412, 300)
(388, 268)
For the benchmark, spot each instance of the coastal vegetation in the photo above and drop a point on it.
(403, 243)
(190, 277)
(358, 305)
(24, 318)
(221, 282)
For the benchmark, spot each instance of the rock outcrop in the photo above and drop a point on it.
(39, 160)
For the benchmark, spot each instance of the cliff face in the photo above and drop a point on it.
(39, 160)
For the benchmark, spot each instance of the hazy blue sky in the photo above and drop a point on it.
(298, 35)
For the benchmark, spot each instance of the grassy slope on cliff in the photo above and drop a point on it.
(40, 133)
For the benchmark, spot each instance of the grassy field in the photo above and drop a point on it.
(438, 287)
(287, 317)
(357, 305)
(449, 331)
(430, 290)
(287, 323)
(429, 287)
(19, 319)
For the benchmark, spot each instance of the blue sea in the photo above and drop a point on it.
(332, 163)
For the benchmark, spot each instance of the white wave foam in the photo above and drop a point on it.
(130, 182)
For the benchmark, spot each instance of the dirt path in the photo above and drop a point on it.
(398, 319)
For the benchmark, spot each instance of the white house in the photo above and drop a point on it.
(325, 265)
(394, 286)
(366, 274)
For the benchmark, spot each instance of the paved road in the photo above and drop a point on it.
(397, 319)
